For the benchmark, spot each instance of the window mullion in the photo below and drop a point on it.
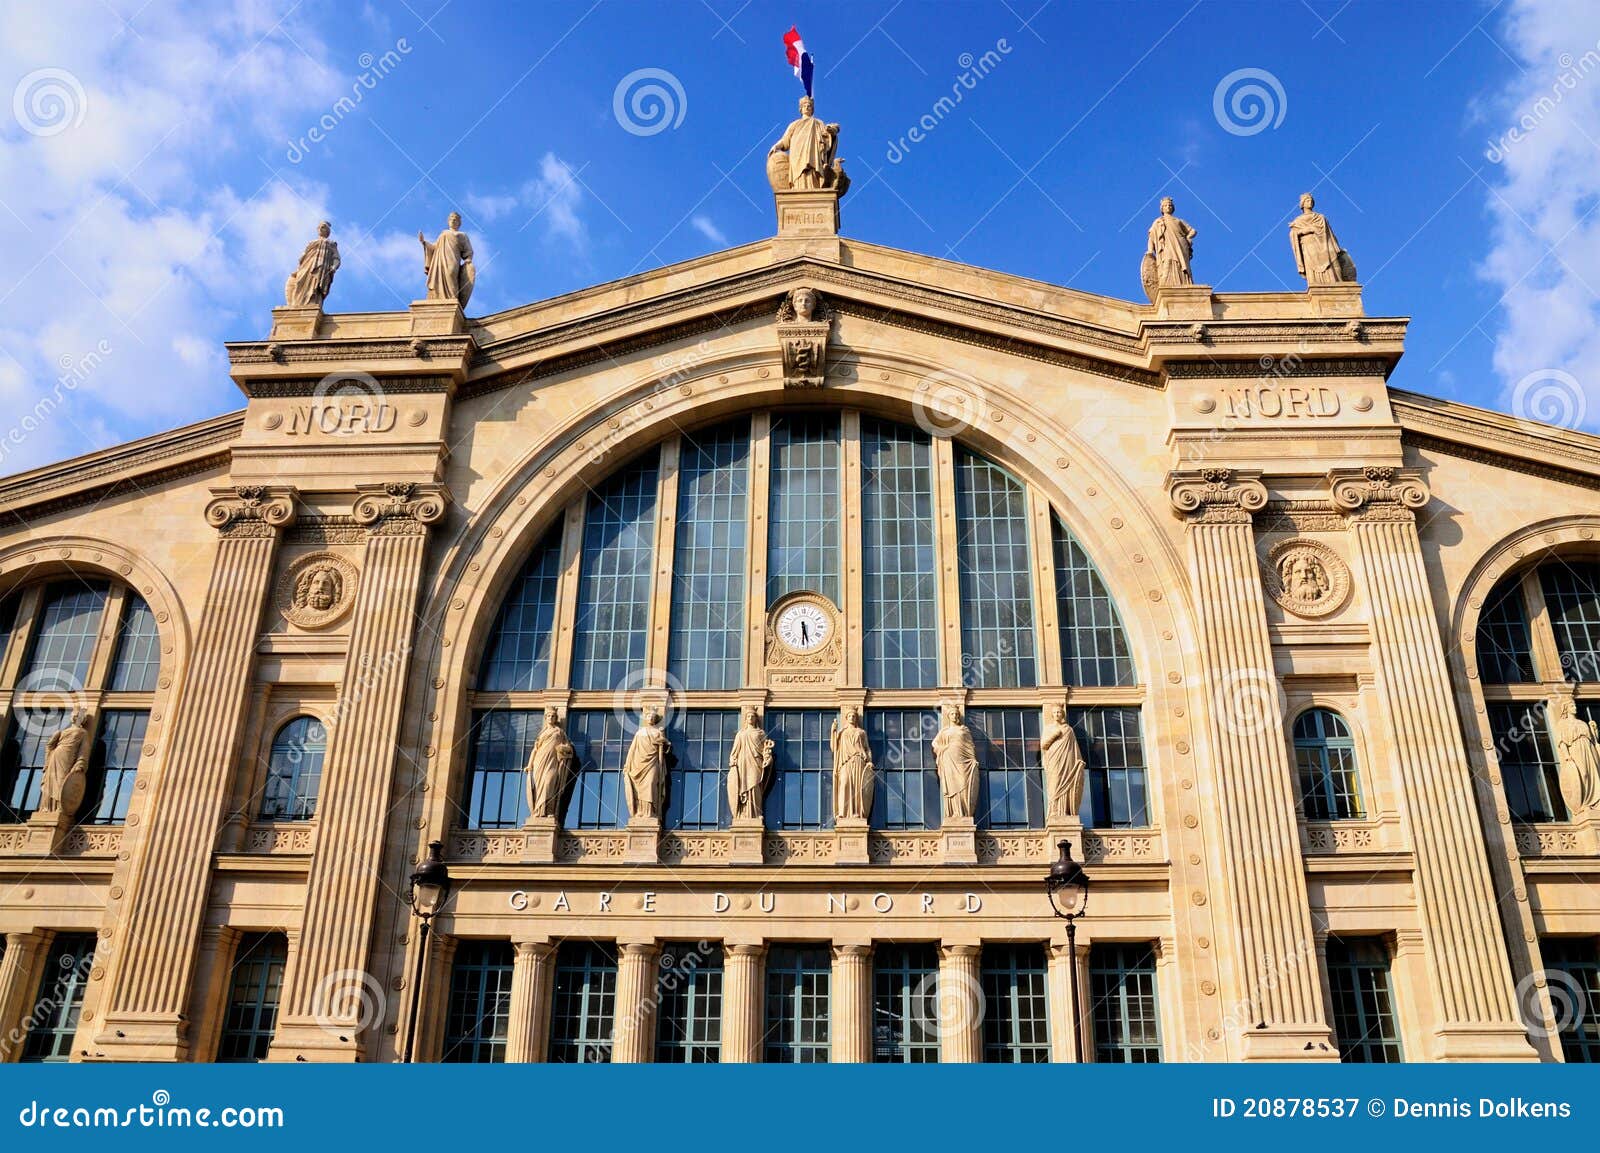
(666, 534)
(105, 644)
(945, 550)
(852, 596)
(22, 634)
(755, 652)
(567, 594)
(1542, 634)
(1047, 605)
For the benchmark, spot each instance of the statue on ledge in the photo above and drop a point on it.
(1317, 254)
(1063, 767)
(311, 281)
(1577, 760)
(1168, 253)
(448, 263)
(804, 159)
(644, 773)
(955, 755)
(748, 763)
(549, 767)
(66, 764)
(852, 768)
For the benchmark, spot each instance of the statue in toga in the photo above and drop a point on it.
(448, 263)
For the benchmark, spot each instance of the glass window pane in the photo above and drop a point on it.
(479, 1015)
(799, 982)
(294, 771)
(1505, 648)
(900, 615)
(803, 506)
(22, 761)
(614, 585)
(689, 1004)
(1112, 743)
(1011, 781)
(1094, 649)
(1325, 757)
(907, 788)
(251, 1015)
(496, 794)
(64, 643)
(697, 791)
(1572, 966)
(1016, 1011)
(1122, 999)
(138, 662)
(584, 1003)
(1363, 1007)
(706, 647)
(801, 796)
(600, 745)
(113, 766)
(905, 1004)
(996, 576)
(1572, 594)
(52, 1022)
(1527, 761)
(517, 658)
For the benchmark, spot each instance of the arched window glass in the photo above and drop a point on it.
(518, 655)
(996, 576)
(1010, 783)
(1112, 743)
(697, 793)
(294, 771)
(1528, 769)
(906, 795)
(1505, 647)
(900, 577)
(1572, 595)
(1325, 755)
(69, 624)
(496, 794)
(1094, 650)
(801, 794)
(803, 525)
(708, 560)
(614, 588)
(600, 745)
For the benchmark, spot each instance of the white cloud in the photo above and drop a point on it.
(554, 196)
(1543, 135)
(490, 208)
(707, 228)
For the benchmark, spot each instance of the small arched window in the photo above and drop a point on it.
(294, 771)
(1325, 754)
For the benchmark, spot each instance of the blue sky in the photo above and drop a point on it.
(158, 173)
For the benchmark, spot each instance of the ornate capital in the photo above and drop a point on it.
(1217, 495)
(400, 506)
(251, 509)
(1378, 492)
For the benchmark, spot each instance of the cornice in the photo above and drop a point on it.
(1505, 460)
(1277, 367)
(1495, 438)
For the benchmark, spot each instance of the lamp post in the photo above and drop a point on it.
(1067, 886)
(427, 893)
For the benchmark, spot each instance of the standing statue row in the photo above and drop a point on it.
(66, 764)
(1169, 250)
(1577, 760)
(446, 264)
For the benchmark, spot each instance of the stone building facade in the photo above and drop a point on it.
(1314, 636)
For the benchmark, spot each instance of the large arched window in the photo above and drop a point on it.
(1538, 648)
(931, 566)
(1325, 755)
(294, 771)
(71, 645)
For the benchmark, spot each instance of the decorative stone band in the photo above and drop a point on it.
(251, 509)
(1217, 495)
(1378, 492)
(400, 508)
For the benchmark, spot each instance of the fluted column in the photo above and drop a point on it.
(152, 970)
(633, 1032)
(743, 970)
(19, 979)
(532, 980)
(1470, 971)
(353, 808)
(961, 1005)
(851, 1008)
(1255, 789)
(1066, 966)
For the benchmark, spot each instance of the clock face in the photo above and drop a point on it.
(804, 627)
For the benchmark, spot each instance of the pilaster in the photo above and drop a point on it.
(532, 979)
(1470, 972)
(343, 886)
(633, 1033)
(19, 978)
(961, 1006)
(1254, 784)
(152, 980)
(852, 1004)
(743, 970)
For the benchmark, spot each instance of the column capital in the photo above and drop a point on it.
(1378, 492)
(1217, 495)
(960, 949)
(640, 950)
(856, 950)
(534, 950)
(745, 949)
(400, 506)
(251, 509)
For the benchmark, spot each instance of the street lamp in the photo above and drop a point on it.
(1067, 885)
(427, 893)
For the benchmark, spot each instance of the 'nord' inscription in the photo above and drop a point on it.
(341, 417)
(1274, 400)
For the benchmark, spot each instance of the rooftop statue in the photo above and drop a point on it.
(1317, 254)
(311, 281)
(1168, 253)
(448, 262)
(805, 158)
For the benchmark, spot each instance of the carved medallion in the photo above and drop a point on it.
(1307, 577)
(804, 324)
(803, 639)
(317, 591)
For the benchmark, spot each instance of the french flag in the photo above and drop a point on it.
(795, 48)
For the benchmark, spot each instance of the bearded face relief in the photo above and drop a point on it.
(317, 591)
(1307, 577)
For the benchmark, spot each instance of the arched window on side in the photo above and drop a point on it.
(294, 771)
(1094, 649)
(1325, 754)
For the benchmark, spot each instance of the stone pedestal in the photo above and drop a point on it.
(958, 841)
(644, 841)
(749, 837)
(437, 318)
(852, 841)
(1184, 302)
(1336, 300)
(295, 323)
(47, 832)
(1069, 831)
(539, 840)
(808, 224)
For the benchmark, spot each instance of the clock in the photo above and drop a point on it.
(804, 626)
